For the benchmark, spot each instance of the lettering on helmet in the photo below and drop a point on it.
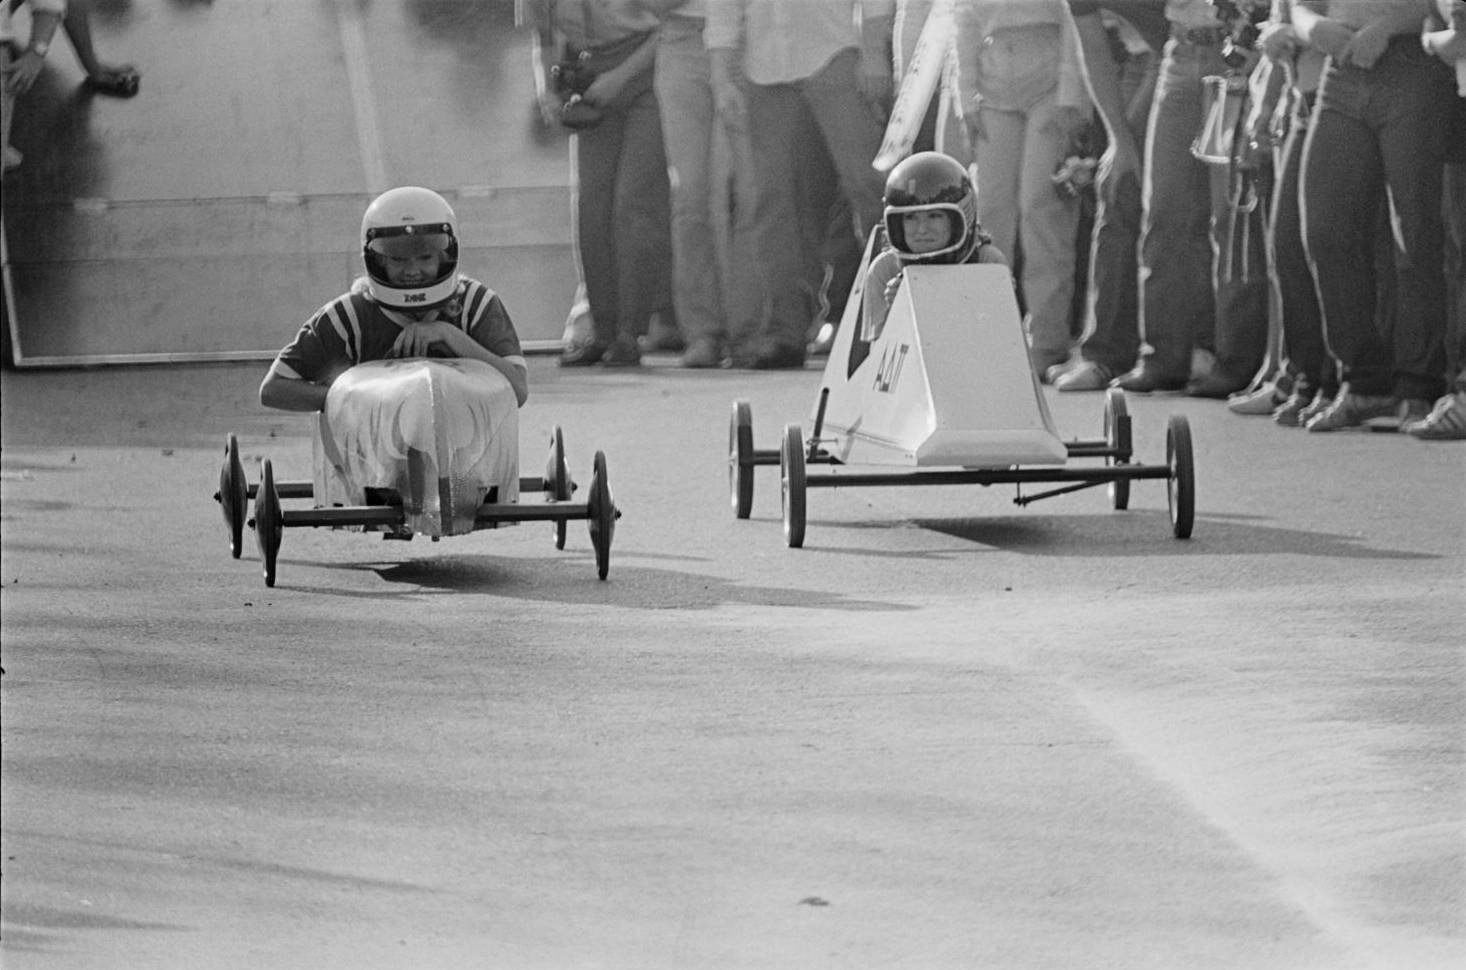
(414, 298)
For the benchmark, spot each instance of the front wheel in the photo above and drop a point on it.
(740, 459)
(1117, 438)
(233, 495)
(793, 485)
(557, 480)
(1181, 484)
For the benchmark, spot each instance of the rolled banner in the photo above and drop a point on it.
(919, 83)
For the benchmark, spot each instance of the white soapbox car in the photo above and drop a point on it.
(418, 446)
(945, 394)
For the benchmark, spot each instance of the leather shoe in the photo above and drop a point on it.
(1260, 400)
(1143, 380)
(703, 353)
(1215, 385)
(1087, 376)
(623, 352)
(583, 355)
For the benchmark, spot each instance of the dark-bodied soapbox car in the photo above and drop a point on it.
(944, 394)
(416, 447)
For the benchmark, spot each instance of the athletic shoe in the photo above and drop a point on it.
(1351, 410)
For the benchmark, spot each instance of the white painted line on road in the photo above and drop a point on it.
(363, 100)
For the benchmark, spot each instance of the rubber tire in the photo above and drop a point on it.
(793, 485)
(233, 495)
(557, 480)
(740, 459)
(269, 523)
(1181, 483)
(602, 514)
(1117, 436)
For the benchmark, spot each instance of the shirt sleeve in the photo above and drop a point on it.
(492, 329)
(309, 356)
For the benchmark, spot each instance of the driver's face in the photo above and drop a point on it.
(411, 260)
(926, 230)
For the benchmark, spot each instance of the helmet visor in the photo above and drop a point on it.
(411, 256)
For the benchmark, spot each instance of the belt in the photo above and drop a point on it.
(1201, 36)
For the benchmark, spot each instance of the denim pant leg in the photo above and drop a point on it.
(1048, 224)
(999, 163)
(685, 96)
(776, 137)
(1302, 323)
(643, 217)
(852, 135)
(1177, 299)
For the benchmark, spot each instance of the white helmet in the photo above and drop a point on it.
(410, 222)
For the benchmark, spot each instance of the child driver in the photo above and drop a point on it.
(930, 218)
(412, 302)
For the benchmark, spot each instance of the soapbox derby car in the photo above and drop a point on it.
(945, 394)
(416, 446)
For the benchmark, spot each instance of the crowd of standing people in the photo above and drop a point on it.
(1276, 214)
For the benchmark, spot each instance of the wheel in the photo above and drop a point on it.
(740, 459)
(1117, 436)
(1181, 484)
(557, 480)
(603, 515)
(792, 485)
(269, 524)
(233, 495)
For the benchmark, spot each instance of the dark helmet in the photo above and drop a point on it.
(932, 181)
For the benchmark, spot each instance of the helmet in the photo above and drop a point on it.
(932, 182)
(410, 222)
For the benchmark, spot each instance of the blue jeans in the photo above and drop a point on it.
(1380, 134)
(714, 264)
(1185, 302)
(622, 217)
(789, 123)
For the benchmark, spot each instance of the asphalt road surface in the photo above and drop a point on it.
(948, 733)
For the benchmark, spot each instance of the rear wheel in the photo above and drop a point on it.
(1117, 436)
(1181, 484)
(793, 485)
(269, 523)
(603, 515)
(740, 459)
(233, 495)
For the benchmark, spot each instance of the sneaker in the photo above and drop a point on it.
(1289, 414)
(1086, 376)
(1264, 399)
(1144, 380)
(583, 355)
(1352, 410)
(703, 353)
(824, 340)
(1216, 385)
(1321, 402)
(1446, 421)
(623, 352)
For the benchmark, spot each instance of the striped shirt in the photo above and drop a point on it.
(354, 328)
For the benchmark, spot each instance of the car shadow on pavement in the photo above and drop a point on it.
(1116, 534)
(571, 579)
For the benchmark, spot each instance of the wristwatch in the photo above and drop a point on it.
(41, 47)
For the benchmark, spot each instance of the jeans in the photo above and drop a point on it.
(787, 123)
(1380, 134)
(1185, 301)
(622, 217)
(714, 266)
(1453, 207)
(1112, 319)
(1024, 136)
